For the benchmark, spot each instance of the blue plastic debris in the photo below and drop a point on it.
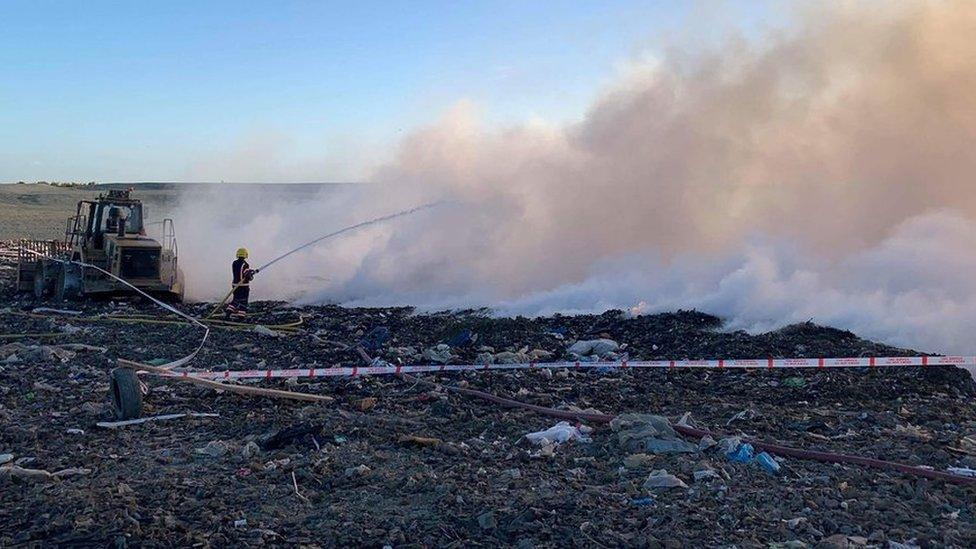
(767, 462)
(742, 454)
(460, 339)
(375, 338)
(642, 502)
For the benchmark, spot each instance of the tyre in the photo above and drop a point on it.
(126, 395)
(68, 286)
(44, 278)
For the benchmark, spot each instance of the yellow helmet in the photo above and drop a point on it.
(242, 252)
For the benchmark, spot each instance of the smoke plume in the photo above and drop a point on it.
(823, 171)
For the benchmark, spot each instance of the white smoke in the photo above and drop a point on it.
(823, 172)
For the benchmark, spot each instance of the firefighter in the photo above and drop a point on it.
(243, 274)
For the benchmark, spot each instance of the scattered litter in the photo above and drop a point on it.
(649, 433)
(744, 415)
(240, 523)
(706, 474)
(250, 450)
(375, 338)
(75, 431)
(638, 461)
(462, 338)
(794, 522)
(126, 423)
(365, 404)
(420, 441)
(768, 463)
(660, 478)
(642, 502)
(913, 432)
(265, 331)
(441, 354)
(214, 448)
(559, 433)
(742, 454)
(83, 348)
(706, 442)
(795, 382)
(487, 521)
(593, 347)
(357, 471)
(6, 458)
(302, 434)
(729, 444)
(508, 357)
(962, 471)
(16, 471)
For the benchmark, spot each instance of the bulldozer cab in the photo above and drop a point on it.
(112, 214)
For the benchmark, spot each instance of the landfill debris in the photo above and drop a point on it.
(441, 354)
(649, 433)
(302, 434)
(742, 454)
(357, 471)
(706, 474)
(795, 382)
(593, 347)
(462, 338)
(6, 458)
(365, 404)
(268, 332)
(509, 357)
(420, 441)
(962, 471)
(638, 461)
(706, 443)
(375, 338)
(141, 420)
(642, 502)
(913, 432)
(214, 449)
(410, 492)
(768, 463)
(559, 433)
(744, 415)
(661, 479)
(16, 471)
(487, 521)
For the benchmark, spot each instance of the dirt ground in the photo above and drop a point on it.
(36, 211)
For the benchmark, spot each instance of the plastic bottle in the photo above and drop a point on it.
(767, 462)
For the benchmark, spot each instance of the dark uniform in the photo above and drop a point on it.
(242, 278)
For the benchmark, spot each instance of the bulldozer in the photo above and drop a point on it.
(108, 232)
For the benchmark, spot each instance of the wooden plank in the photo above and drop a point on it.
(238, 389)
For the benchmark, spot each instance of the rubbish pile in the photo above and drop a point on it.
(412, 461)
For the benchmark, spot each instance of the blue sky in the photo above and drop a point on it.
(123, 91)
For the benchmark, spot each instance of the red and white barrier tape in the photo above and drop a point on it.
(768, 363)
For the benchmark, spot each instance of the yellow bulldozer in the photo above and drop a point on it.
(108, 232)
